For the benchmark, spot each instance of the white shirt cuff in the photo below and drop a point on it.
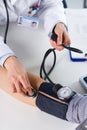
(3, 58)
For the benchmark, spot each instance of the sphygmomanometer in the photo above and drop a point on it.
(51, 97)
(83, 81)
(63, 92)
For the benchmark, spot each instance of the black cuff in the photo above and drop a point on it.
(48, 105)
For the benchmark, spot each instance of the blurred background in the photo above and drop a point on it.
(76, 3)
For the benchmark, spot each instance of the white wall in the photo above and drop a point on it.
(75, 3)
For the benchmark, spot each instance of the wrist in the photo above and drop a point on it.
(9, 61)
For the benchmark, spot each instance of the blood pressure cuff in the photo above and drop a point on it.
(48, 101)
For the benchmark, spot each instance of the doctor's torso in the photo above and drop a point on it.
(49, 11)
(15, 8)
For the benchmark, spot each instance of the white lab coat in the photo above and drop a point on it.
(50, 11)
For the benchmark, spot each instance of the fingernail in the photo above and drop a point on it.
(58, 43)
(30, 92)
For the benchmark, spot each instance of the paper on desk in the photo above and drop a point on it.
(77, 28)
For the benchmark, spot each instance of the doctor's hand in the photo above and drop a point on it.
(62, 37)
(17, 76)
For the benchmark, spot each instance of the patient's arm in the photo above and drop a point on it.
(4, 85)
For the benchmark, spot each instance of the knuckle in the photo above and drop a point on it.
(20, 77)
(12, 78)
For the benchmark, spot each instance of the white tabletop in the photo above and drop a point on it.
(30, 46)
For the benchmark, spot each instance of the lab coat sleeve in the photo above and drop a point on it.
(52, 12)
(5, 51)
(3, 16)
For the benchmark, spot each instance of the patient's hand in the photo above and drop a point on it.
(17, 76)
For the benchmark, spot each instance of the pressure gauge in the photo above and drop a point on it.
(64, 93)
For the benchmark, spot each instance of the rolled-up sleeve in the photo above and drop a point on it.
(77, 109)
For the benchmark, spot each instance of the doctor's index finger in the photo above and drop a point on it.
(59, 38)
(26, 84)
(66, 39)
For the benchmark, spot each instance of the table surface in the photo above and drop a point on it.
(30, 47)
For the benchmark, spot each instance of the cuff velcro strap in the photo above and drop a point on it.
(48, 102)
